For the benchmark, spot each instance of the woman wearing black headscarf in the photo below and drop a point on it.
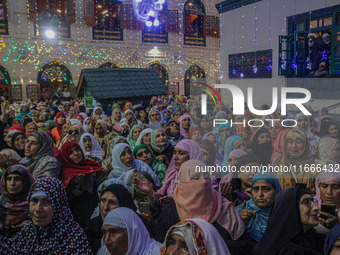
(262, 145)
(290, 226)
(18, 143)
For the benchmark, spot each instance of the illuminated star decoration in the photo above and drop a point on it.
(147, 11)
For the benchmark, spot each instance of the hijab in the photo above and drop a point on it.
(325, 148)
(174, 139)
(96, 150)
(279, 144)
(14, 136)
(143, 133)
(262, 151)
(122, 194)
(183, 131)
(200, 237)
(71, 169)
(139, 241)
(225, 125)
(332, 237)
(195, 198)
(21, 115)
(229, 146)
(166, 119)
(156, 125)
(154, 144)
(132, 140)
(113, 116)
(60, 126)
(325, 177)
(56, 111)
(69, 238)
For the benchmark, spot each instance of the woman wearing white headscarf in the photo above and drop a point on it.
(124, 165)
(147, 141)
(200, 237)
(135, 239)
(90, 147)
(327, 148)
(155, 121)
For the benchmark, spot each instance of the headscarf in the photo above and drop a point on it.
(60, 126)
(324, 129)
(285, 209)
(18, 128)
(143, 133)
(225, 125)
(332, 237)
(122, 194)
(166, 119)
(102, 112)
(139, 241)
(62, 235)
(21, 115)
(132, 140)
(174, 139)
(52, 122)
(154, 144)
(100, 140)
(257, 225)
(96, 150)
(171, 177)
(113, 114)
(14, 136)
(200, 237)
(153, 125)
(262, 151)
(325, 177)
(56, 111)
(197, 199)
(115, 106)
(14, 208)
(127, 104)
(81, 116)
(312, 139)
(279, 144)
(129, 110)
(70, 169)
(229, 146)
(183, 131)
(325, 148)
(123, 172)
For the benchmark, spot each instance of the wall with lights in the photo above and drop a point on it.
(23, 54)
(256, 27)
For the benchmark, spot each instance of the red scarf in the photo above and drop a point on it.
(70, 169)
(60, 126)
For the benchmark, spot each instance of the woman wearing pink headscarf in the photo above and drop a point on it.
(279, 144)
(185, 123)
(185, 150)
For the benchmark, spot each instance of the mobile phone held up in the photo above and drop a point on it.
(328, 208)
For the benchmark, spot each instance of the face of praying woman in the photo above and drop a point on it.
(177, 116)
(232, 161)
(116, 239)
(330, 193)
(72, 112)
(336, 152)
(161, 138)
(263, 194)
(52, 112)
(16, 122)
(175, 244)
(302, 123)
(144, 155)
(174, 129)
(186, 123)
(127, 157)
(73, 133)
(41, 210)
(196, 136)
(87, 143)
(167, 114)
(274, 130)
(295, 146)
(155, 117)
(88, 122)
(136, 132)
(76, 155)
(308, 212)
(180, 156)
(99, 130)
(117, 116)
(9, 140)
(32, 146)
(146, 139)
(247, 176)
(64, 129)
(264, 137)
(14, 184)
(19, 142)
(80, 119)
(132, 122)
(239, 145)
(108, 202)
(128, 115)
(142, 113)
(98, 112)
(30, 128)
(333, 130)
(225, 132)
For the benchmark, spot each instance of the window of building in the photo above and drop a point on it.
(156, 34)
(52, 17)
(3, 18)
(194, 14)
(317, 55)
(107, 21)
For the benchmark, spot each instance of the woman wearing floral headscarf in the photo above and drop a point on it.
(39, 235)
(160, 145)
(16, 183)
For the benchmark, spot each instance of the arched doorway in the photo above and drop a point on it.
(108, 65)
(194, 72)
(5, 81)
(54, 77)
(163, 74)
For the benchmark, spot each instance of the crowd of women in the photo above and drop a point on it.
(125, 180)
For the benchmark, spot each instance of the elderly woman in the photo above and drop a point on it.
(81, 178)
(133, 236)
(124, 165)
(116, 116)
(194, 237)
(39, 157)
(49, 212)
(100, 131)
(16, 183)
(145, 137)
(329, 151)
(296, 155)
(160, 146)
(74, 133)
(155, 121)
(194, 197)
(290, 225)
(173, 133)
(255, 212)
(18, 142)
(185, 123)
(113, 196)
(91, 147)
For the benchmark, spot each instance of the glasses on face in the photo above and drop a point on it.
(308, 201)
(76, 132)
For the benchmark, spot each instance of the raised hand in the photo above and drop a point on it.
(246, 214)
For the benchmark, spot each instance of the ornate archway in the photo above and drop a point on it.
(163, 74)
(193, 72)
